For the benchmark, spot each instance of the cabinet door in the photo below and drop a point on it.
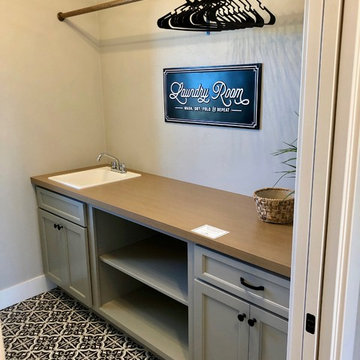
(78, 262)
(219, 331)
(54, 248)
(268, 335)
(66, 255)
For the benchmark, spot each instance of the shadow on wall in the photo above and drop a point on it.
(166, 37)
(85, 35)
(170, 37)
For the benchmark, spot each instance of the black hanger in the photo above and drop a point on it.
(233, 16)
(180, 18)
(244, 19)
(272, 17)
(248, 8)
(185, 18)
(169, 20)
(224, 14)
(164, 21)
(201, 19)
(216, 15)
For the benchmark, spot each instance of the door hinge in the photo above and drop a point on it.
(310, 323)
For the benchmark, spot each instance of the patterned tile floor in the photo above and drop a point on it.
(54, 326)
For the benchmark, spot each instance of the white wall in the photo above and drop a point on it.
(51, 117)
(134, 53)
(55, 93)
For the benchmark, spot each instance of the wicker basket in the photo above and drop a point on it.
(275, 205)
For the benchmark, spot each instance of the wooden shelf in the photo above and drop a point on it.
(159, 322)
(159, 262)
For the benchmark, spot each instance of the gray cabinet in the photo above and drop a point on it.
(227, 324)
(65, 253)
(182, 301)
(218, 332)
(54, 248)
(268, 335)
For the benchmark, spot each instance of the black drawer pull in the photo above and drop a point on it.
(251, 322)
(58, 226)
(243, 282)
(241, 317)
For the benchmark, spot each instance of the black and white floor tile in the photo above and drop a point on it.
(54, 326)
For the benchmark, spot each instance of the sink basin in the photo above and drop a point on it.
(93, 177)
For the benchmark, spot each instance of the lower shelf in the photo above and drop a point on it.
(159, 322)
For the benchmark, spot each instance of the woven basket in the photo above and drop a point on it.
(275, 205)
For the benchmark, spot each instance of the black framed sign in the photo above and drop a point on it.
(216, 95)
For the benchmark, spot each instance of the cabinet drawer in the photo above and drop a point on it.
(63, 206)
(243, 280)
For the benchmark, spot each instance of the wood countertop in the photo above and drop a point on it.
(177, 207)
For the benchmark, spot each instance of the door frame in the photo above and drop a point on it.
(341, 286)
(321, 36)
(324, 230)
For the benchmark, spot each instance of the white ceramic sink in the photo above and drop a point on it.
(93, 177)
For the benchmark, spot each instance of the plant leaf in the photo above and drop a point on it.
(290, 148)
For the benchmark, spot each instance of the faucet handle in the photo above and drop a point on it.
(122, 168)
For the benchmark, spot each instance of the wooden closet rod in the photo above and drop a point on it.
(62, 16)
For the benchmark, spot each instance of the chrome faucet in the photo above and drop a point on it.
(116, 165)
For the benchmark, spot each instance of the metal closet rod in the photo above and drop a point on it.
(62, 16)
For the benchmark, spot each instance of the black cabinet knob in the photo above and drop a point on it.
(58, 226)
(241, 317)
(251, 322)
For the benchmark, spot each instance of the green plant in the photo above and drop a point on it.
(291, 150)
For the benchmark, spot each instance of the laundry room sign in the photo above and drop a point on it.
(217, 95)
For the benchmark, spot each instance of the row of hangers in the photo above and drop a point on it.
(217, 15)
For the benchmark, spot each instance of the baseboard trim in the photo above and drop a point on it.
(24, 290)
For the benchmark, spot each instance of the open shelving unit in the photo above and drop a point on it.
(160, 322)
(154, 262)
(143, 284)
